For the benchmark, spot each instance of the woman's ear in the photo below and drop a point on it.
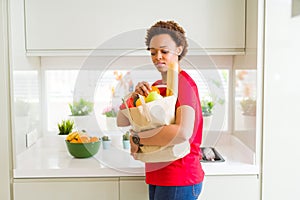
(179, 50)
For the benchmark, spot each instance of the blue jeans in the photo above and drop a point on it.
(175, 192)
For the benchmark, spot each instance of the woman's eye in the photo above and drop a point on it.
(165, 51)
(162, 51)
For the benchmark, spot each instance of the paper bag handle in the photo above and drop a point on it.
(127, 109)
(145, 108)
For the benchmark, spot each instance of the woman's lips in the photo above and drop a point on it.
(160, 64)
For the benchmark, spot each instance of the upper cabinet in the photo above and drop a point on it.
(75, 27)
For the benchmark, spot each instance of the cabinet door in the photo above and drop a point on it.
(86, 25)
(230, 187)
(67, 189)
(133, 188)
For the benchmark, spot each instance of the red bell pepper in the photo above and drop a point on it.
(129, 103)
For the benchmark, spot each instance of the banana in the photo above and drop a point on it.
(73, 135)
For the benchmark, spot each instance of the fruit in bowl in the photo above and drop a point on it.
(80, 145)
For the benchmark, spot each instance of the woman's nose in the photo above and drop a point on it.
(158, 55)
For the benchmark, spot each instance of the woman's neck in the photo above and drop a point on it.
(164, 77)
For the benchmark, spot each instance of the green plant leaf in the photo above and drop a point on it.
(105, 138)
(126, 136)
(81, 107)
(65, 127)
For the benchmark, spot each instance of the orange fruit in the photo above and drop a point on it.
(154, 88)
(138, 102)
(83, 139)
(74, 141)
(94, 139)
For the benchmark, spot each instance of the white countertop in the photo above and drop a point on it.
(49, 158)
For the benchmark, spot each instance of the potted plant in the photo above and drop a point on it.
(65, 127)
(106, 141)
(207, 106)
(81, 107)
(110, 114)
(80, 114)
(248, 106)
(125, 140)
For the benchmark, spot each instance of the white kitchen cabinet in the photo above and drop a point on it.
(237, 187)
(234, 187)
(61, 189)
(81, 26)
(118, 188)
(133, 188)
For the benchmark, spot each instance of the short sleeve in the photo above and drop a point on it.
(187, 91)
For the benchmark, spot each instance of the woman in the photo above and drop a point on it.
(182, 178)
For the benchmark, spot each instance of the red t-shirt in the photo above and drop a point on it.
(187, 170)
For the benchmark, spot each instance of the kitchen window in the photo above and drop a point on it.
(109, 88)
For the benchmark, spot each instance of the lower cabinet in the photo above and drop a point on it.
(69, 188)
(119, 188)
(133, 188)
(231, 187)
(245, 187)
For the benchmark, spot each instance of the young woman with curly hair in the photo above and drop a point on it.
(180, 179)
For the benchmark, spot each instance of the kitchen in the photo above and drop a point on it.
(49, 53)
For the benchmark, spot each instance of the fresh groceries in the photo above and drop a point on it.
(80, 137)
(154, 89)
(129, 102)
(156, 111)
(138, 102)
(154, 94)
(172, 79)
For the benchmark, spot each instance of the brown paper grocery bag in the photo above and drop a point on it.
(152, 115)
(153, 154)
(159, 112)
(156, 114)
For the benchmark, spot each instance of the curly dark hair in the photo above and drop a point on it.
(171, 28)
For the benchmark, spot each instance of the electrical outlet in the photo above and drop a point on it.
(31, 138)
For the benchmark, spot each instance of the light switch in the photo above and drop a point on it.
(31, 138)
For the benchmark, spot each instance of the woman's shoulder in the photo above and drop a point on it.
(184, 76)
(158, 82)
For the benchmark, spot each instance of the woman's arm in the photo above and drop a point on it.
(172, 134)
(122, 120)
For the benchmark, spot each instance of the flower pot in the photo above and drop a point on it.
(106, 144)
(126, 144)
(206, 127)
(207, 122)
(249, 122)
(85, 122)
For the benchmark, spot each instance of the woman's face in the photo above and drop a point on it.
(163, 51)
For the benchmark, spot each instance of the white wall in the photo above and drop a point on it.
(5, 160)
(281, 134)
(28, 119)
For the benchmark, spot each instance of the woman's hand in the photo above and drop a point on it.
(141, 88)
